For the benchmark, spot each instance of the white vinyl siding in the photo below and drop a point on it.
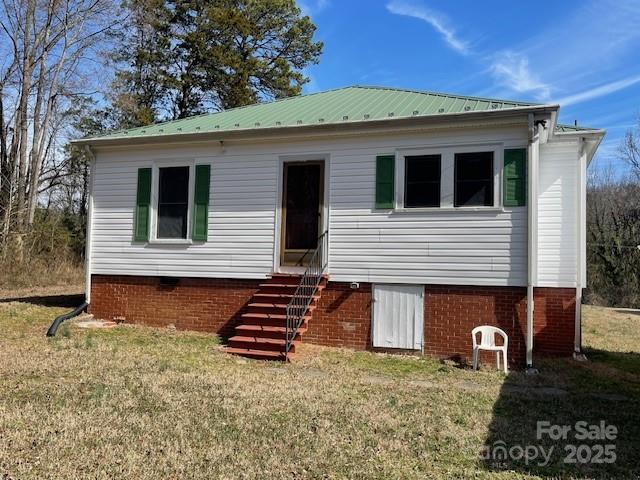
(558, 214)
(241, 222)
(446, 246)
(398, 316)
(438, 246)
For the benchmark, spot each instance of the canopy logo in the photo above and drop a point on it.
(598, 450)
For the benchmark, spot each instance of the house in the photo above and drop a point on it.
(415, 215)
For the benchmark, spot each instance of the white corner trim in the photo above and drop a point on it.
(87, 252)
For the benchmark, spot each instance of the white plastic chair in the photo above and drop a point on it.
(488, 342)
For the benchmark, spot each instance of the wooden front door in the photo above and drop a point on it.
(303, 191)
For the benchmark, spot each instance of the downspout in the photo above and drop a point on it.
(532, 231)
(87, 253)
(581, 247)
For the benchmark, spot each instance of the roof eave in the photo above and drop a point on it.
(338, 127)
(581, 133)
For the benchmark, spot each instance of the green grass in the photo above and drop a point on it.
(143, 403)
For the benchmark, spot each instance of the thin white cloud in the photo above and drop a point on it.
(511, 69)
(438, 21)
(312, 7)
(600, 91)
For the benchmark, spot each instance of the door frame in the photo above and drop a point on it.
(324, 218)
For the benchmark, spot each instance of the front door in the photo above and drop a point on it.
(301, 211)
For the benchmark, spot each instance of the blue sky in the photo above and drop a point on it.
(584, 54)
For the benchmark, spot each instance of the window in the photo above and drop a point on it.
(473, 184)
(173, 202)
(422, 181)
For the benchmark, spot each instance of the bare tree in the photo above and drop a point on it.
(613, 236)
(630, 149)
(50, 49)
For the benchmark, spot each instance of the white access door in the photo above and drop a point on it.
(398, 316)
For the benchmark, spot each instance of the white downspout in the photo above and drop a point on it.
(87, 251)
(582, 242)
(532, 231)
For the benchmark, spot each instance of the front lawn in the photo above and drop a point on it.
(145, 403)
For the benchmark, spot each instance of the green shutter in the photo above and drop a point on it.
(143, 205)
(515, 177)
(201, 203)
(385, 181)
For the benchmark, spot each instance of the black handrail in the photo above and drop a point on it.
(303, 296)
(56, 323)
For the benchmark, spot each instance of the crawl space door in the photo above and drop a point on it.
(398, 316)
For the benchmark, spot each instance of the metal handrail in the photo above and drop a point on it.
(307, 288)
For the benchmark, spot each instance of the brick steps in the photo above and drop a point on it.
(259, 354)
(261, 334)
(266, 331)
(282, 297)
(261, 343)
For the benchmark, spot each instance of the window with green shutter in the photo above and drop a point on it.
(515, 177)
(143, 206)
(385, 181)
(201, 203)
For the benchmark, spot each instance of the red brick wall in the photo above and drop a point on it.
(554, 321)
(343, 317)
(211, 305)
(451, 312)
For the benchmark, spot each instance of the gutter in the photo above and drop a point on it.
(336, 128)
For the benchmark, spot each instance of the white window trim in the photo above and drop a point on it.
(447, 179)
(155, 184)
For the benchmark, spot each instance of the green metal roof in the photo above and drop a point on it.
(574, 128)
(343, 105)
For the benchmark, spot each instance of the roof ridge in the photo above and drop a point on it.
(443, 94)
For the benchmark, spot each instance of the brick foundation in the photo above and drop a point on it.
(451, 312)
(203, 304)
(554, 321)
(343, 316)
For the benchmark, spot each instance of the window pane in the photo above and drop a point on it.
(174, 185)
(474, 166)
(173, 202)
(172, 221)
(422, 181)
(474, 179)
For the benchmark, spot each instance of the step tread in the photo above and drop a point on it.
(287, 285)
(272, 354)
(266, 328)
(270, 316)
(280, 295)
(261, 340)
(275, 305)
